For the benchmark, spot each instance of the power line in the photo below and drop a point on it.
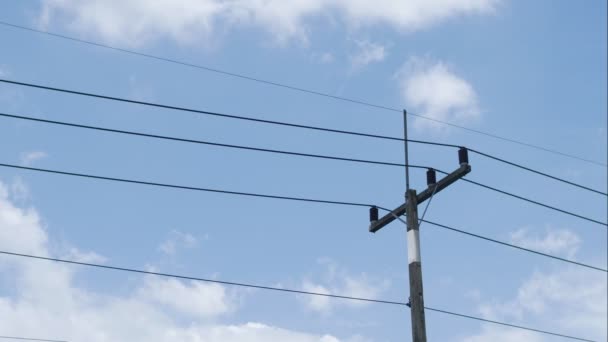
(207, 280)
(202, 142)
(507, 324)
(513, 246)
(286, 197)
(536, 171)
(29, 339)
(530, 200)
(223, 115)
(205, 112)
(263, 196)
(279, 289)
(280, 123)
(183, 187)
(299, 89)
(291, 198)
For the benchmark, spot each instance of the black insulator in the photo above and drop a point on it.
(431, 177)
(463, 155)
(373, 214)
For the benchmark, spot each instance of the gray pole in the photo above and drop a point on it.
(415, 269)
(410, 208)
(407, 161)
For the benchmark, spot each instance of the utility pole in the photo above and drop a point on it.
(410, 209)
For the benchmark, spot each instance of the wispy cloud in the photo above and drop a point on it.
(553, 241)
(571, 300)
(192, 298)
(29, 158)
(89, 256)
(200, 21)
(337, 280)
(176, 241)
(431, 89)
(366, 53)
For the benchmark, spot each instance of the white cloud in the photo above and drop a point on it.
(489, 333)
(554, 241)
(317, 303)
(195, 299)
(87, 257)
(432, 90)
(367, 53)
(28, 158)
(19, 190)
(571, 301)
(177, 240)
(339, 281)
(47, 299)
(137, 22)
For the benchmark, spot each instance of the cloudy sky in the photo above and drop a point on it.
(533, 71)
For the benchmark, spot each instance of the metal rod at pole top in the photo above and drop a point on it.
(407, 168)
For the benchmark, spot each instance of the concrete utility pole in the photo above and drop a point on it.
(410, 208)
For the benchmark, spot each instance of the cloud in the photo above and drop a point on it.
(323, 58)
(87, 257)
(19, 190)
(317, 303)
(135, 22)
(28, 158)
(194, 298)
(367, 53)
(177, 240)
(504, 335)
(570, 301)
(48, 300)
(433, 90)
(339, 281)
(139, 22)
(555, 241)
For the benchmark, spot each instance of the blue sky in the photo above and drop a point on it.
(531, 71)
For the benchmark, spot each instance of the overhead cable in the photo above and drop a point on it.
(29, 339)
(282, 289)
(287, 124)
(300, 89)
(514, 246)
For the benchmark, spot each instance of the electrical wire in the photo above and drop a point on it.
(529, 200)
(223, 115)
(298, 89)
(29, 339)
(498, 242)
(183, 187)
(291, 198)
(280, 289)
(285, 197)
(287, 124)
(427, 206)
(202, 142)
(507, 324)
(263, 196)
(513, 246)
(536, 171)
